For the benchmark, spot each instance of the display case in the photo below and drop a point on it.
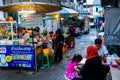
(7, 33)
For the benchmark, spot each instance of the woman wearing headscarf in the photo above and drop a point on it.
(92, 67)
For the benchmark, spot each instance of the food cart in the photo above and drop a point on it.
(13, 54)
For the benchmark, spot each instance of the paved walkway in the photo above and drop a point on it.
(57, 71)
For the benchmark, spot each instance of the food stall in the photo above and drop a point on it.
(12, 53)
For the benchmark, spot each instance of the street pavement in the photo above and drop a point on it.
(57, 71)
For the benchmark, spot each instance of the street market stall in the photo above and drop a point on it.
(17, 49)
(12, 53)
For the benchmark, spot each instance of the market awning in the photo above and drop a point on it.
(65, 11)
(37, 6)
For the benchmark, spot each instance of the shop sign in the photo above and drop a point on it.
(17, 56)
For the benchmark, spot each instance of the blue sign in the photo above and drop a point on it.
(17, 56)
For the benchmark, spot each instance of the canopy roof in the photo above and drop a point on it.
(37, 6)
(65, 11)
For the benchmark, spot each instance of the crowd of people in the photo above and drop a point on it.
(54, 42)
(95, 55)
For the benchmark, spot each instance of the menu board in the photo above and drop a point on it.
(17, 56)
(30, 20)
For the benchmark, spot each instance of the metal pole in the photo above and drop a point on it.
(52, 24)
(34, 52)
(11, 29)
(32, 38)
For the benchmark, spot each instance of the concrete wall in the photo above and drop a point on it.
(52, 25)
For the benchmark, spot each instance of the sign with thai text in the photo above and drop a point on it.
(17, 56)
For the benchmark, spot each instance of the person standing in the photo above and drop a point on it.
(72, 36)
(36, 34)
(59, 45)
(91, 70)
(25, 35)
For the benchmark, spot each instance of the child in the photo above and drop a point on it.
(72, 69)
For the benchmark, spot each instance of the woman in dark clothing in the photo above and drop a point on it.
(72, 36)
(92, 68)
(59, 46)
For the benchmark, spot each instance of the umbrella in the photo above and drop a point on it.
(65, 11)
(36, 6)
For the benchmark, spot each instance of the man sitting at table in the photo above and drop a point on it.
(103, 53)
(102, 50)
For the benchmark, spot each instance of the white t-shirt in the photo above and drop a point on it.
(102, 26)
(25, 36)
(102, 51)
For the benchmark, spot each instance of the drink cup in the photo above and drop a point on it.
(109, 60)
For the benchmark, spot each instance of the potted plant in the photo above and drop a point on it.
(45, 32)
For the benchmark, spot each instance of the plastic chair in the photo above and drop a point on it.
(46, 56)
(64, 47)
